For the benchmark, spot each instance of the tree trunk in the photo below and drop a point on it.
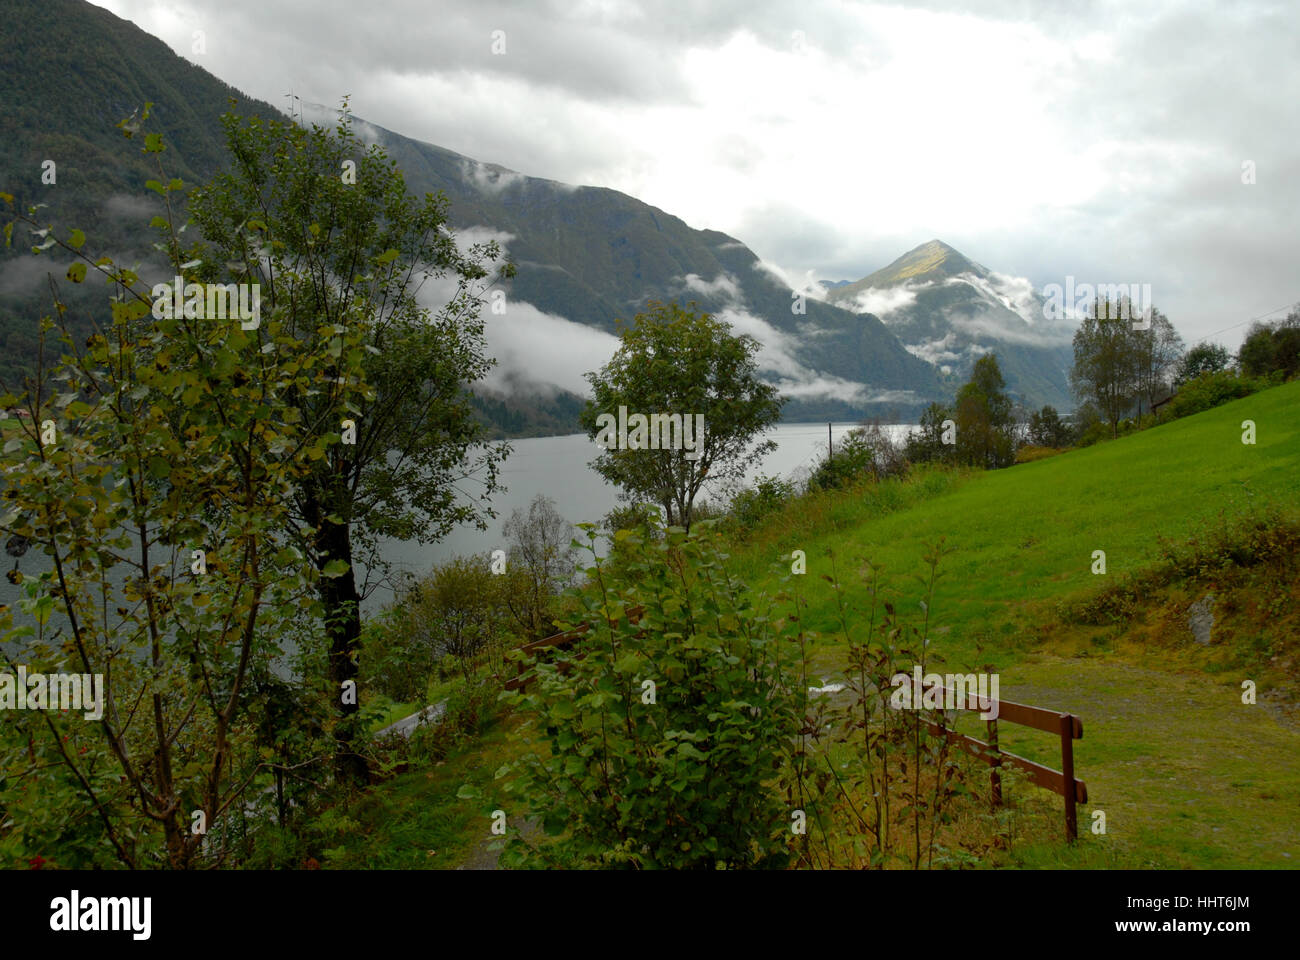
(343, 628)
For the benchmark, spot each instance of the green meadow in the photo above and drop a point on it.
(1185, 773)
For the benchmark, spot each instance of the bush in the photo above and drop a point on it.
(1047, 429)
(1242, 540)
(1206, 391)
(864, 453)
(468, 710)
(752, 505)
(395, 663)
(665, 734)
(1093, 433)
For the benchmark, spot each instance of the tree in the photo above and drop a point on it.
(340, 250)
(542, 555)
(927, 444)
(1202, 358)
(1047, 429)
(458, 609)
(1104, 362)
(1271, 347)
(1155, 354)
(158, 480)
(674, 372)
(983, 417)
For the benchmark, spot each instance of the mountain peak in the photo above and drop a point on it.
(933, 260)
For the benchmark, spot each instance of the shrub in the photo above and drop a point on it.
(864, 453)
(395, 664)
(467, 712)
(665, 734)
(1047, 429)
(752, 505)
(1206, 391)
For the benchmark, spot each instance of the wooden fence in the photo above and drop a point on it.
(523, 675)
(1067, 726)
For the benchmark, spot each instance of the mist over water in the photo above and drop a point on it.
(558, 467)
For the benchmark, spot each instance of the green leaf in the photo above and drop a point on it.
(77, 272)
(469, 792)
(76, 240)
(335, 568)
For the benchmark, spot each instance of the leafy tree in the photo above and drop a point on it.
(158, 481)
(340, 250)
(1104, 362)
(927, 444)
(1272, 347)
(1047, 429)
(1203, 358)
(1155, 355)
(682, 363)
(983, 417)
(542, 555)
(458, 609)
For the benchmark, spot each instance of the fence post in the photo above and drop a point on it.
(1067, 771)
(995, 775)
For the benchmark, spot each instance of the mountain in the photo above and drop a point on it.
(70, 72)
(948, 310)
(586, 257)
(593, 256)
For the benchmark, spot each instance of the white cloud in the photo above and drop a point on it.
(724, 284)
(882, 301)
(1008, 131)
(489, 178)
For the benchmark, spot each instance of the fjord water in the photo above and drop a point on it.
(559, 468)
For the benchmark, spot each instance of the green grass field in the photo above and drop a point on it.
(1186, 774)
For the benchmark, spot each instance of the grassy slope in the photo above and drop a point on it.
(1186, 774)
(1024, 536)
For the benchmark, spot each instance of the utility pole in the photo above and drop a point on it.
(830, 447)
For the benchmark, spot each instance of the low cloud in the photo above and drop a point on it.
(489, 178)
(806, 284)
(535, 351)
(882, 301)
(723, 285)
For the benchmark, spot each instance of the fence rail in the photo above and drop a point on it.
(1065, 725)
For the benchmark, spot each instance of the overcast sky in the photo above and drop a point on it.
(1102, 140)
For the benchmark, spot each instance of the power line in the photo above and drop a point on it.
(1244, 322)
